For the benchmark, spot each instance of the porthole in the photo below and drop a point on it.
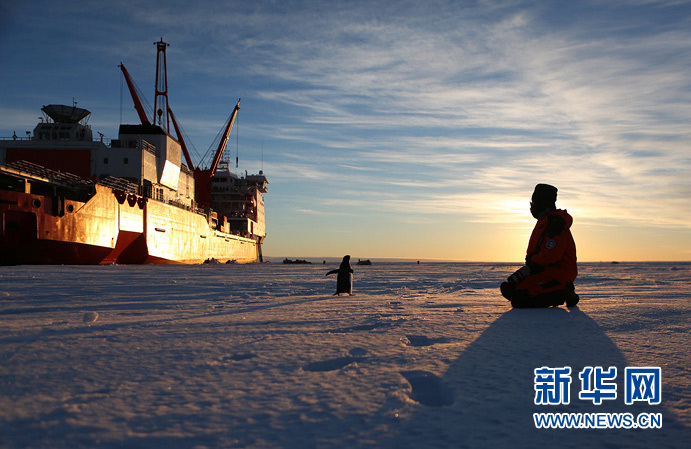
(36, 203)
(70, 208)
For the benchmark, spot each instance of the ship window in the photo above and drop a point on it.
(127, 160)
(105, 160)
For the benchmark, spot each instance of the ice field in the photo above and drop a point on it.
(263, 356)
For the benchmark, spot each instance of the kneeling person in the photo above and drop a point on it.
(547, 277)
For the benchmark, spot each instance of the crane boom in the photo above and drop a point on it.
(224, 140)
(183, 145)
(135, 97)
(203, 177)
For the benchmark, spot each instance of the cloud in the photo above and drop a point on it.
(437, 109)
(575, 110)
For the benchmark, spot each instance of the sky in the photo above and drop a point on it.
(398, 129)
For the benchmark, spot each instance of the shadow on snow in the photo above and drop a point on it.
(490, 389)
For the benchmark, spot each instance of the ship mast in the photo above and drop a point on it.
(161, 105)
(161, 94)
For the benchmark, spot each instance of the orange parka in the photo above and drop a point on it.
(551, 254)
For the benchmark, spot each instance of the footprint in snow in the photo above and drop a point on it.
(428, 388)
(240, 356)
(378, 324)
(90, 317)
(355, 355)
(422, 340)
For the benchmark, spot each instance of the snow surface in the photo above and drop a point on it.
(263, 356)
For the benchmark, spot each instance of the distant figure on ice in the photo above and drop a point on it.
(344, 281)
(547, 277)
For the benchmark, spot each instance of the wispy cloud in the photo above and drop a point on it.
(439, 108)
(574, 110)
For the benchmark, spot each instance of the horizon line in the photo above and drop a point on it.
(439, 260)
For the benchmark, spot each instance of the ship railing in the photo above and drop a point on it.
(179, 204)
(55, 176)
(119, 184)
(146, 146)
(104, 140)
(16, 138)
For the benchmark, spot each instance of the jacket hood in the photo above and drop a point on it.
(568, 219)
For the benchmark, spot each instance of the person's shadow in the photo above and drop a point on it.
(487, 396)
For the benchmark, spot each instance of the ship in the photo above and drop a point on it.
(69, 198)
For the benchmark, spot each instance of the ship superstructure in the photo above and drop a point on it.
(67, 198)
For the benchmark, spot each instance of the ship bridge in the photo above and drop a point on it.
(69, 123)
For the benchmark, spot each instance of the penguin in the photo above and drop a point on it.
(344, 281)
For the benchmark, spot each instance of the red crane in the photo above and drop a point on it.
(202, 177)
(135, 98)
(183, 145)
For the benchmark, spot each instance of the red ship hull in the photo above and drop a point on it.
(39, 229)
